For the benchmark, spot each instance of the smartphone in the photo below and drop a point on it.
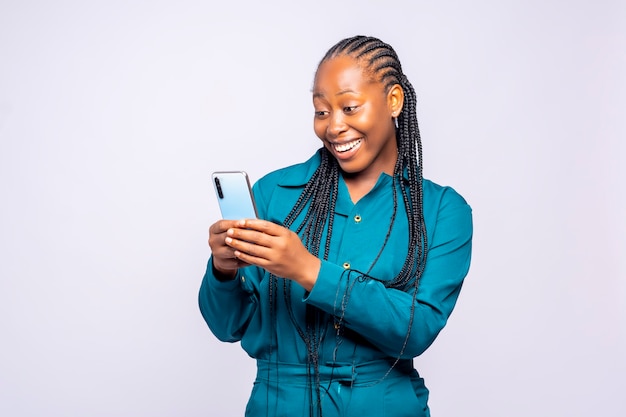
(234, 195)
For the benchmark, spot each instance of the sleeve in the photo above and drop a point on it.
(227, 306)
(385, 316)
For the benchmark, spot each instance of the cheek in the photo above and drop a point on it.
(379, 124)
(319, 126)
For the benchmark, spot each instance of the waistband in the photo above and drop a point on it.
(350, 373)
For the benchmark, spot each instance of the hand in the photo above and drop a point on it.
(274, 248)
(224, 260)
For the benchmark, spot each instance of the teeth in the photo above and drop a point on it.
(343, 147)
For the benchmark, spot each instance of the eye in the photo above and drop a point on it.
(350, 109)
(321, 113)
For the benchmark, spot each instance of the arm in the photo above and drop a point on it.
(382, 315)
(229, 294)
(228, 305)
(379, 314)
(227, 302)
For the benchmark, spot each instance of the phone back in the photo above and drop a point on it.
(234, 195)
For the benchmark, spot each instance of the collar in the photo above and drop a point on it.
(300, 174)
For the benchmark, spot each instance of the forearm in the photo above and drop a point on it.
(381, 315)
(225, 305)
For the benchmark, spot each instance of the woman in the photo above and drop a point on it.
(358, 262)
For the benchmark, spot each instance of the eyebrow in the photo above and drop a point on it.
(346, 91)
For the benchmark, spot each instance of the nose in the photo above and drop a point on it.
(336, 124)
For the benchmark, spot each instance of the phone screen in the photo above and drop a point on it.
(234, 195)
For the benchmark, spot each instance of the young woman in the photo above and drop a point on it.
(358, 261)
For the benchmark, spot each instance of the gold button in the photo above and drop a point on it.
(357, 218)
(346, 265)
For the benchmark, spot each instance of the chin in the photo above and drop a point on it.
(350, 168)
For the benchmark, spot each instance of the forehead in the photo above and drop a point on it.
(341, 73)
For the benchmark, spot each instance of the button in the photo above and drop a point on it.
(243, 279)
(357, 219)
(346, 265)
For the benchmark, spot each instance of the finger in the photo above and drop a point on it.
(259, 225)
(248, 248)
(250, 259)
(225, 257)
(250, 236)
(221, 226)
(231, 265)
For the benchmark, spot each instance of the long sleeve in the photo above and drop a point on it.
(366, 238)
(228, 306)
(382, 315)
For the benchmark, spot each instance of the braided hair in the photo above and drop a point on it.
(319, 197)
(381, 62)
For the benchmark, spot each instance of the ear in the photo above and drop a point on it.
(395, 100)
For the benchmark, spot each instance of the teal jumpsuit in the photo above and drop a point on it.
(365, 349)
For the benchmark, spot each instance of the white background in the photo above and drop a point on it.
(114, 113)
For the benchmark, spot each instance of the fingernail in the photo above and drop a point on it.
(228, 240)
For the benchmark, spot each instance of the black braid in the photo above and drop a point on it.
(319, 198)
(320, 194)
(379, 60)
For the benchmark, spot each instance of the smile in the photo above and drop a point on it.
(345, 147)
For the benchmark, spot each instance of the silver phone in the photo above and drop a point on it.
(234, 195)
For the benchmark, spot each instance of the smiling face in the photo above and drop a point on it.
(354, 118)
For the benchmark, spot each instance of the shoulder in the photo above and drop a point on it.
(292, 176)
(446, 212)
(276, 192)
(442, 195)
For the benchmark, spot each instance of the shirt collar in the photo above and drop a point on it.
(302, 173)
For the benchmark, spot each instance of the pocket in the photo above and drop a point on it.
(273, 400)
(421, 393)
(406, 397)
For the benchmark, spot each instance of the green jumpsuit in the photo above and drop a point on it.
(364, 349)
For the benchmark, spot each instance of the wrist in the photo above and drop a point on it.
(309, 273)
(223, 276)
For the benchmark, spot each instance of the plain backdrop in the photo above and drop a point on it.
(114, 113)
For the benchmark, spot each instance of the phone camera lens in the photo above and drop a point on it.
(218, 186)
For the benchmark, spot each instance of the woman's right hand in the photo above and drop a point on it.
(224, 260)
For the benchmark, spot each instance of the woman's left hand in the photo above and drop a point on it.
(274, 248)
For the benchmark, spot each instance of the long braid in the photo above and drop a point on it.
(320, 195)
(381, 61)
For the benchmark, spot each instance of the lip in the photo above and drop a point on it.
(346, 149)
